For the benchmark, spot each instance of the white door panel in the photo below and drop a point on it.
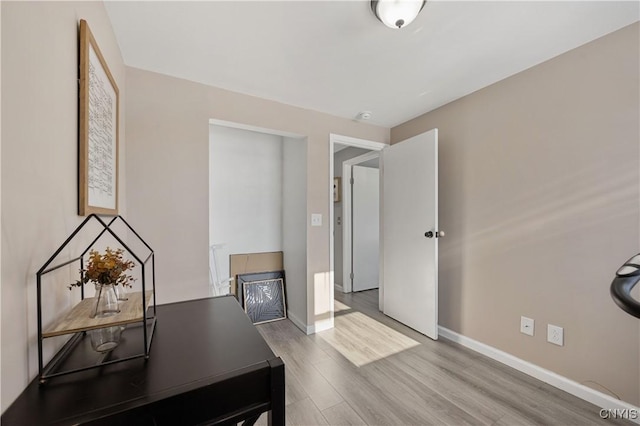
(410, 209)
(366, 227)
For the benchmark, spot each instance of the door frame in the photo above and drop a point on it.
(347, 218)
(357, 143)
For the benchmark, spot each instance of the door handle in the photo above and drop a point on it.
(430, 234)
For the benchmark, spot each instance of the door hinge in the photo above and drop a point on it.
(351, 276)
(351, 181)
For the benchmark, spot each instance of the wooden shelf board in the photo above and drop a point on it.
(79, 317)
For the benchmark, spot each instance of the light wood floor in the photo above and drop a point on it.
(372, 370)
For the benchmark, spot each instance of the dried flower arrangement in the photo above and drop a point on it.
(107, 268)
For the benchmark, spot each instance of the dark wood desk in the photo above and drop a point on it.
(208, 365)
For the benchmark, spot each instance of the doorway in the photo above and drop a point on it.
(361, 222)
(335, 143)
(409, 235)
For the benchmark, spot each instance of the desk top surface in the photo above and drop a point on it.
(196, 343)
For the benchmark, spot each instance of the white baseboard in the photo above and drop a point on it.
(600, 399)
(339, 288)
(296, 321)
(310, 329)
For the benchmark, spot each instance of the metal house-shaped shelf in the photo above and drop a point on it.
(137, 314)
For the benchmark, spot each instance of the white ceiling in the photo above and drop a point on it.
(335, 57)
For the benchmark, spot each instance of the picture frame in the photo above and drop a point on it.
(264, 300)
(241, 279)
(337, 189)
(98, 133)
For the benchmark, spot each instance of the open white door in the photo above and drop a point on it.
(365, 209)
(410, 231)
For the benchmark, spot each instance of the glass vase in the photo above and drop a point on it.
(121, 293)
(106, 301)
(105, 339)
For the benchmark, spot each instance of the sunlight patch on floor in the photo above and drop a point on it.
(361, 339)
(339, 306)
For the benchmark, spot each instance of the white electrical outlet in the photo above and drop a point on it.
(555, 335)
(526, 325)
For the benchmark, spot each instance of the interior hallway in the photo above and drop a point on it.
(372, 370)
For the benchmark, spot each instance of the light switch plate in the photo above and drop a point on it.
(316, 219)
(526, 326)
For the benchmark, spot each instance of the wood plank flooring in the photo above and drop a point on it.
(372, 370)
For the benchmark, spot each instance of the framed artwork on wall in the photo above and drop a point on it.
(98, 131)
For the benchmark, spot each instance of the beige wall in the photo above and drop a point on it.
(167, 192)
(39, 159)
(539, 196)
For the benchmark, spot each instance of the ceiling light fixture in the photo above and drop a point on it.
(396, 13)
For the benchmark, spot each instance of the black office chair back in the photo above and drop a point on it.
(626, 278)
